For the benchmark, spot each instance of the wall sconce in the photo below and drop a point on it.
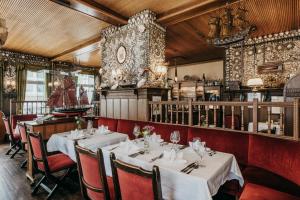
(255, 83)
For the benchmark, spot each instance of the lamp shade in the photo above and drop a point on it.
(254, 82)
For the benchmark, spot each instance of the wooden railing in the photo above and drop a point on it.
(276, 119)
(28, 107)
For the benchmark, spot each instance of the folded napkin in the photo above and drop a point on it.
(129, 147)
(76, 134)
(102, 130)
(171, 157)
(156, 138)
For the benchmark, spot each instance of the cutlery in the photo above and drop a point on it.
(157, 157)
(136, 154)
(196, 166)
(211, 153)
(113, 148)
(188, 167)
(183, 147)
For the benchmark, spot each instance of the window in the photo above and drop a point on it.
(35, 90)
(87, 81)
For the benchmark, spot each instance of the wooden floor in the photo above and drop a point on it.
(15, 186)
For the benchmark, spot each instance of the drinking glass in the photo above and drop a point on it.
(176, 137)
(199, 150)
(89, 125)
(136, 132)
(172, 139)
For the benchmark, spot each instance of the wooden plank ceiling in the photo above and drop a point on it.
(54, 30)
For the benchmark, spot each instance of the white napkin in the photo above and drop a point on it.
(102, 130)
(128, 147)
(156, 138)
(171, 157)
(76, 134)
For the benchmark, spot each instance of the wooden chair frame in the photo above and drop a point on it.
(154, 175)
(46, 173)
(23, 144)
(83, 184)
(14, 144)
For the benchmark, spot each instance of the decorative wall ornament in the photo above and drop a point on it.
(3, 32)
(9, 79)
(128, 52)
(277, 59)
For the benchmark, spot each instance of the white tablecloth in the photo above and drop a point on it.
(264, 126)
(201, 184)
(60, 142)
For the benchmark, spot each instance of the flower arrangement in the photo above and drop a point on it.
(147, 130)
(79, 121)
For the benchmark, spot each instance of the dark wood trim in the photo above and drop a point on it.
(154, 175)
(184, 13)
(78, 47)
(94, 9)
(101, 170)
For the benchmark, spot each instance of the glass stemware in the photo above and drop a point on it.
(136, 132)
(174, 138)
(199, 149)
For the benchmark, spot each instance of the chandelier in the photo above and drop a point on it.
(229, 27)
(3, 32)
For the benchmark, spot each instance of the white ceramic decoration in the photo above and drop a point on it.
(121, 54)
(141, 83)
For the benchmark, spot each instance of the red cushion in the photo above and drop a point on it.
(57, 162)
(134, 187)
(16, 118)
(126, 126)
(266, 178)
(99, 196)
(281, 157)
(91, 175)
(226, 141)
(111, 123)
(258, 192)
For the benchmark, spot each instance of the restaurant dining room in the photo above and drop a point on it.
(150, 99)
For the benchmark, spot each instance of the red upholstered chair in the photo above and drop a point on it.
(23, 134)
(14, 139)
(93, 181)
(134, 183)
(258, 192)
(48, 165)
(18, 118)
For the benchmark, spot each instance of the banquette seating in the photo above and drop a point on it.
(270, 166)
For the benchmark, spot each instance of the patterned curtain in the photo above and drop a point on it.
(21, 79)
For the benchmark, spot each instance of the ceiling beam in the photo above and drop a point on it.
(181, 14)
(94, 9)
(76, 48)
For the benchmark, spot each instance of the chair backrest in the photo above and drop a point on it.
(92, 174)
(38, 152)
(134, 183)
(23, 132)
(8, 129)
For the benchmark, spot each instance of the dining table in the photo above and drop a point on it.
(200, 183)
(90, 139)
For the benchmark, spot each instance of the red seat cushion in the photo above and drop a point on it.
(226, 141)
(266, 178)
(57, 162)
(111, 123)
(258, 192)
(281, 157)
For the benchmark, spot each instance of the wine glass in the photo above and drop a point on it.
(89, 125)
(176, 137)
(199, 150)
(136, 132)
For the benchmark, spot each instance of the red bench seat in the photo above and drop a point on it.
(258, 192)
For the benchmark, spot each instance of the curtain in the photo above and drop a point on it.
(48, 88)
(21, 83)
